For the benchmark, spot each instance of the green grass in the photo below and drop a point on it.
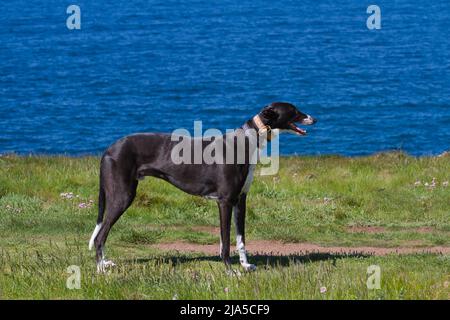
(312, 199)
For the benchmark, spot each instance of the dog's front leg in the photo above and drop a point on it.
(239, 221)
(225, 211)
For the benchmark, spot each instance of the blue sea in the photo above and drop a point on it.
(138, 66)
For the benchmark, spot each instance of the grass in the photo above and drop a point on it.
(312, 199)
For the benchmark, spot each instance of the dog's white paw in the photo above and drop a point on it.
(109, 264)
(248, 267)
(103, 265)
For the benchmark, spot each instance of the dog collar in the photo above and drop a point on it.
(262, 128)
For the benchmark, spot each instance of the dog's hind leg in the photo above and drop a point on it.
(115, 209)
(120, 191)
(239, 221)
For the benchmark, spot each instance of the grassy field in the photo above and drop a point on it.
(319, 200)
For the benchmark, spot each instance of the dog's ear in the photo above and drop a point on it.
(269, 113)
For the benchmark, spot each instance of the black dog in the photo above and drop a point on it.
(151, 154)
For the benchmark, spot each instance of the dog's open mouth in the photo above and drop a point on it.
(296, 129)
(304, 121)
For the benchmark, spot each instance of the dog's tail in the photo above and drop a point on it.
(101, 211)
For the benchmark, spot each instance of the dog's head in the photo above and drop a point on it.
(285, 116)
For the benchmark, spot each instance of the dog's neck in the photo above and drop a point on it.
(258, 123)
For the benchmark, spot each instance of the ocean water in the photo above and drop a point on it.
(138, 66)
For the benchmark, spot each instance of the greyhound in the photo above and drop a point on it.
(133, 157)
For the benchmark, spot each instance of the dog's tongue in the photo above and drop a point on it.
(297, 129)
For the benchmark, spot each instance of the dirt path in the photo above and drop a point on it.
(367, 229)
(267, 247)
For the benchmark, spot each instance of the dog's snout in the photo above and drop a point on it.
(309, 120)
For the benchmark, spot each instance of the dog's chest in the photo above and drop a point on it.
(248, 179)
